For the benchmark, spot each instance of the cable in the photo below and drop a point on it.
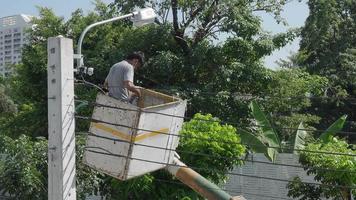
(90, 84)
(208, 139)
(223, 122)
(215, 156)
(248, 96)
(234, 94)
(231, 173)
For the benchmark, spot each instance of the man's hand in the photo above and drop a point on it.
(132, 88)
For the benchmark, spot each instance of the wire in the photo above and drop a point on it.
(213, 140)
(247, 96)
(250, 96)
(223, 122)
(216, 156)
(90, 84)
(231, 173)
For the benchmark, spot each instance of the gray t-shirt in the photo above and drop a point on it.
(120, 72)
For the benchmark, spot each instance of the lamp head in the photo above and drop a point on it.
(143, 17)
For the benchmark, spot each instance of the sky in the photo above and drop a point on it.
(295, 14)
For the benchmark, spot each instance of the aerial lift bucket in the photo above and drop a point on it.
(126, 140)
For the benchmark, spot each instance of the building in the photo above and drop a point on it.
(12, 38)
(246, 179)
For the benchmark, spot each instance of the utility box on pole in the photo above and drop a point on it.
(61, 137)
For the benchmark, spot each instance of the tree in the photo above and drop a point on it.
(23, 170)
(7, 105)
(327, 48)
(194, 21)
(339, 179)
(339, 183)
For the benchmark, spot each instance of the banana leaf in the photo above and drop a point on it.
(334, 128)
(268, 133)
(299, 139)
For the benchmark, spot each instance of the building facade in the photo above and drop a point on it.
(262, 179)
(12, 38)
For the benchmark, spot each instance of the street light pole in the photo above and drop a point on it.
(141, 17)
(81, 38)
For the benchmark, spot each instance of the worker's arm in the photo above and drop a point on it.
(130, 86)
(106, 84)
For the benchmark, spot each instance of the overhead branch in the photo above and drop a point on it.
(193, 15)
(178, 33)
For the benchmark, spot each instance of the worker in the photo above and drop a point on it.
(119, 81)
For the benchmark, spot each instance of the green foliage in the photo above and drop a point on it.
(7, 105)
(327, 48)
(333, 129)
(255, 143)
(315, 163)
(221, 142)
(23, 170)
(268, 135)
(291, 91)
(299, 139)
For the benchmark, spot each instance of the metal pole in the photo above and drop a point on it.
(198, 183)
(61, 137)
(81, 38)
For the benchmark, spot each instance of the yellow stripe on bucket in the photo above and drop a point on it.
(112, 131)
(151, 134)
(126, 136)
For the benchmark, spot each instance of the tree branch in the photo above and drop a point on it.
(178, 33)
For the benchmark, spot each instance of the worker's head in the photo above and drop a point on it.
(137, 59)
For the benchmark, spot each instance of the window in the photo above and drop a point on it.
(17, 35)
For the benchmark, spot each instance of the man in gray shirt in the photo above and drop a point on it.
(120, 79)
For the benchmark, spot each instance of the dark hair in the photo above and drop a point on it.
(137, 55)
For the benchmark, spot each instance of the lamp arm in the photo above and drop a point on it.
(81, 38)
